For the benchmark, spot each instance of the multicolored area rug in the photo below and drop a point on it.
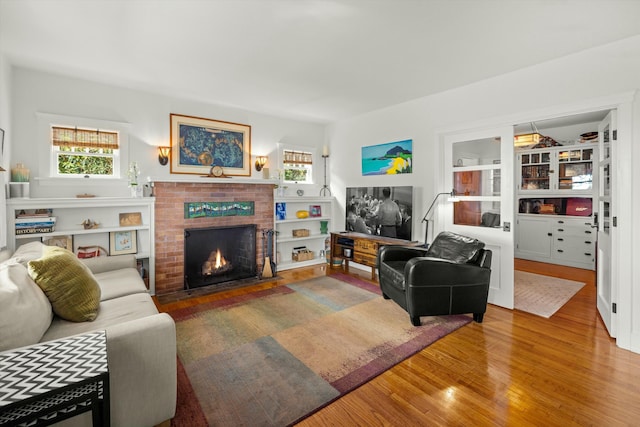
(542, 295)
(272, 357)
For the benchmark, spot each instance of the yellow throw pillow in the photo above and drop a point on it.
(70, 286)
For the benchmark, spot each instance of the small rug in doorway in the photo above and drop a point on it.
(542, 295)
(272, 357)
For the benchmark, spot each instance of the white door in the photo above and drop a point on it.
(479, 167)
(605, 221)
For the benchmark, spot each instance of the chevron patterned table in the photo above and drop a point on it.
(55, 380)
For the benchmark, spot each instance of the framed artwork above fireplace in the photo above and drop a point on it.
(199, 144)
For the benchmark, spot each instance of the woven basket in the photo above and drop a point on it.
(302, 255)
(301, 232)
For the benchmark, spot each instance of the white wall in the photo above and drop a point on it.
(147, 116)
(578, 78)
(5, 124)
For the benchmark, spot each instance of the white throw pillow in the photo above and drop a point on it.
(25, 311)
(29, 252)
(4, 255)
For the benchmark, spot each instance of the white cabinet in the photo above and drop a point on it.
(557, 240)
(106, 211)
(556, 194)
(535, 171)
(557, 169)
(290, 224)
(534, 237)
(574, 242)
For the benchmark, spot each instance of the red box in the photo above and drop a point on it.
(578, 206)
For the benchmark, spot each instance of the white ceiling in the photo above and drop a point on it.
(321, 60)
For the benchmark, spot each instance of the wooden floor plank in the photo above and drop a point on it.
(513, 369)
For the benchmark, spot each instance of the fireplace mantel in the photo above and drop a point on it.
(210, 180)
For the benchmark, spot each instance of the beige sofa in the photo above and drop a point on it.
(141, 343)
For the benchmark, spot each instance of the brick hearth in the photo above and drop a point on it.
(170, 222)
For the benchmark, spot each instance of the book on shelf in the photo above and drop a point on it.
(42, 226)
(35, 219)
(32, 226)
(281, 211)
(33, 230)
(33, 213)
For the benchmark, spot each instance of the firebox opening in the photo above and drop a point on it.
(216, 264)
(219, 254)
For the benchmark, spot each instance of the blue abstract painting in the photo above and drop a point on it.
(197, 144)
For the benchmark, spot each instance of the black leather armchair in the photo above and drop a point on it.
(450, 277)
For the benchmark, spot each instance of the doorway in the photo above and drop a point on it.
(563, 189)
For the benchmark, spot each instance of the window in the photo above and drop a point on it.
(84, 152)
(297, 166)
(476, 181)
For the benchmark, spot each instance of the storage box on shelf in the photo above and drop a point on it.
(302, 255)
(72, 213)
(302, 232)
(293, 231)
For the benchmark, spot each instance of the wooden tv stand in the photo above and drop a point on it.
(363, 248)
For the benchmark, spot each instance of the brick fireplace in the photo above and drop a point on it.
(170, 222)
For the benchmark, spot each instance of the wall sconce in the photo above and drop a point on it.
(163, 155)
(260, 162)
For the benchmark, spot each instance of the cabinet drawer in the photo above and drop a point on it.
(583, 231)
(582, 257)
(365, 259)
(574, 244)
(574, 248)
(365, 246)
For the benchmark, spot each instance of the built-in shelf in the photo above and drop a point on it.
(70, 214)
(78, 231)
(287, 265)
(302, 239)
(308, 219)
(315, 242)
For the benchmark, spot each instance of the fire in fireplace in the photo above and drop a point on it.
(216, 264)
(215, 255)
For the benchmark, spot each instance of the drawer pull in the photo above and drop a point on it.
(560, 250)
(587, 242)
(560, 240)
(549, 234)
(587, 231)
(587, 254)
(560, 229)
(560, 222)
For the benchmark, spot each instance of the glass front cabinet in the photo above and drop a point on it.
(556, 169)
(535, 170)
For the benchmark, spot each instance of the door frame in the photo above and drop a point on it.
(628, 327)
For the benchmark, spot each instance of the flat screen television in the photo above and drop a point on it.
(362, 204)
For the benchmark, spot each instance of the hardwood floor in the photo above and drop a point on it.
(513, 369)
